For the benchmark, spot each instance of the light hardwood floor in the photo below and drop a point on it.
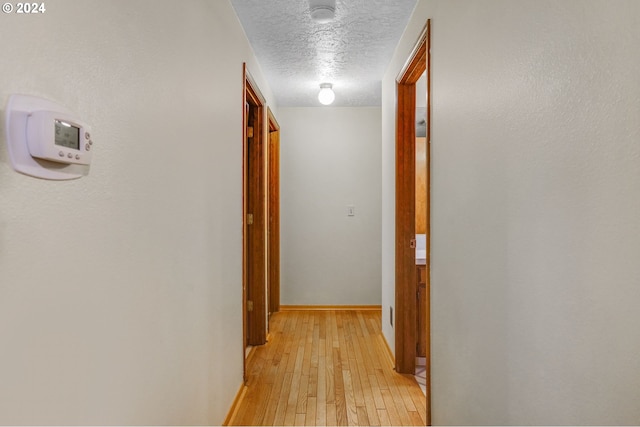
(327, 368)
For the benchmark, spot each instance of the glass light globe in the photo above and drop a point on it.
(326, 95)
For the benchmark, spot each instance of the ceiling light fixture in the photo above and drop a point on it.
(323, 14)
(326, 95)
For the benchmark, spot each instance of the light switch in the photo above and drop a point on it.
(351, 210)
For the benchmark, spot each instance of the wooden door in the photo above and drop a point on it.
(273, 235)
(423, 306)
(255, 231)
(406, 281)
(254, 212)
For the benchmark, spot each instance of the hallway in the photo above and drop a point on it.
(327, 368)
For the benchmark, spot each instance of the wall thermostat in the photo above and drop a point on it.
(47, 140)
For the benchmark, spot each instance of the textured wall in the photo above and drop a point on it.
(120, 293)
(330, 158)
(536, 214)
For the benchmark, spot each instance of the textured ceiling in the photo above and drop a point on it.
(297, 54)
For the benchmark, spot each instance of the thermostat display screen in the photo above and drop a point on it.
(67, 135)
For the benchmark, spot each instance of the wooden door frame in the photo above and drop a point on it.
(253, 251)
(405, 275)
(273, 213)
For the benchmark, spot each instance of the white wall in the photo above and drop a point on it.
(330, 158)
(535, 210)
(120, 293)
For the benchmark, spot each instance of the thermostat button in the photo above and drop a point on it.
(77, 156)
(87, 135)
(87, 147)
(61, 154)
(70, 156)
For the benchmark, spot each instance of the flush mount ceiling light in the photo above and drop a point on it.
(326, 95)
(323, 14)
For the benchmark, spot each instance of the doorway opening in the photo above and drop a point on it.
(421, 229)
(254, 208)
(412, 250)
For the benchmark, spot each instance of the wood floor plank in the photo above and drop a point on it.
(292, 402)
(390, 406)
(327, 368)
(311, 412)
(400, 405)
(331, 415)
(363, 419)
(242, 417)
(308, 339)
(352, 413)
(420, 402)
(382, 379)
(283, 400)
(384, 417)
(315, 343)
(415, 418)
(322, 325)
(335, 342)
(272, 404)
(312, 389)
(321, 395)
(370, 406)
(364, 366)
(264, 391)
(301, 407)
(343, 337)
(277, 382)
(300, 419)
(292, 348)
(341, 402)
(328, 365)
(358, 393)
(375, 391)
(397, 385)
(289, 328)
(401, 386)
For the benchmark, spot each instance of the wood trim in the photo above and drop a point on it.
(273, 123)
(253, 87)
(237, 401)
(330, 307)
(428, 239)
(408, 73)
(244, 216)
(249, 356)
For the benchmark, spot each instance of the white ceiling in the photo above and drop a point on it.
(297, 54)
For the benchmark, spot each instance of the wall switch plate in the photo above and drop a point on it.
(351, 210)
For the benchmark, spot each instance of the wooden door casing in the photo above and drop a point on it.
(406, 273)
